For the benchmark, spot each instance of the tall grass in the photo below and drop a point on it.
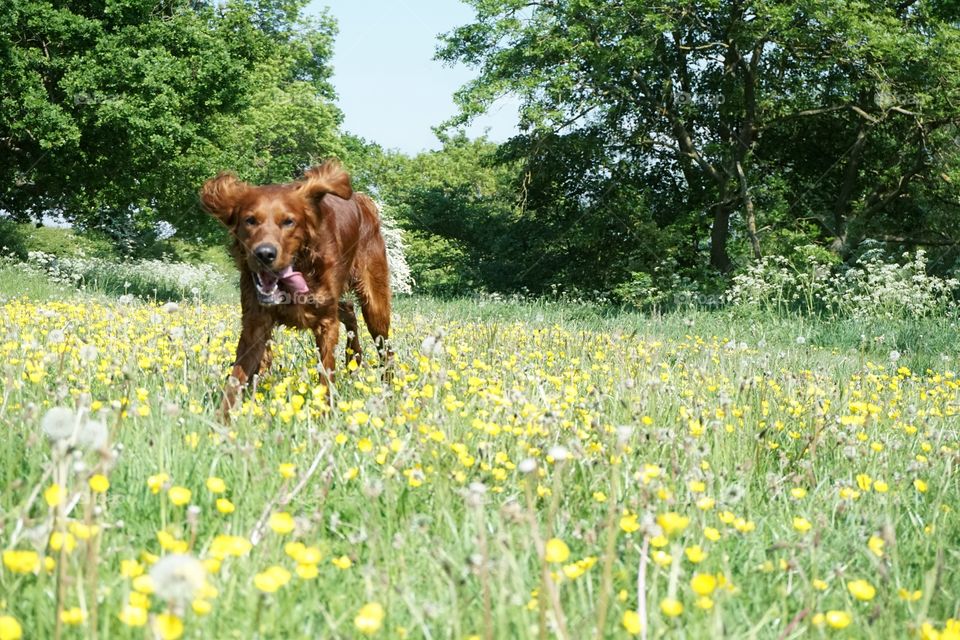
(532, 470)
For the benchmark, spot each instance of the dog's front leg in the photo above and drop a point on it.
(327, 333)
(348, 316)
(250, 352)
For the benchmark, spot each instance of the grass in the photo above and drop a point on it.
(794, 455)
(19, 239)
(18, 282)
(150, 281)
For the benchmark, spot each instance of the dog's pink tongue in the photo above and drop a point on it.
(293, 281)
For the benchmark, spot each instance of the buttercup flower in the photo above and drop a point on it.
(556, 551)
(672, 523)
(631, 622)
(133, 616)
(861, 590)
(629, 523)
(272, 579)
(282, 523)
(179, 496)
(54, 495)
(99, 483)
(370, 618)
(168, 626)
(703, 584)
(10, 629)
(838, 619)
(671, 607)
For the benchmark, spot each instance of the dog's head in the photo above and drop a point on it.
(272, 223)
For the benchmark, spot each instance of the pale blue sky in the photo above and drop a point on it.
(390, 89)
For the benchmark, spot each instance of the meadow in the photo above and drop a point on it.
(532, 470)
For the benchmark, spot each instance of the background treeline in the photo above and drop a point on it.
(660, 146)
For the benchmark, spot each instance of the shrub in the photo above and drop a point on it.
(19, 239)
(870, 288)
(151, 279)
(401, 280)
(167, 279)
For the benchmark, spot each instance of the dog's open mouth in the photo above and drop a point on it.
(275, 288)
(267, 284)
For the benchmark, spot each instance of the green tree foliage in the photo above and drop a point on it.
(458, 208)
(693, 134)
(113, 111)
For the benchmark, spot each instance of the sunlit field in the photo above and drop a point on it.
(532, 470)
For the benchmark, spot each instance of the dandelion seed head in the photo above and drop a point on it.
(527, 465)
(558, 452)
(59, 424)
(178, 578)
(92, 435)
(432, 346)
(88, 353)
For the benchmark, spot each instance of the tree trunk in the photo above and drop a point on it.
(749, 211)
(719, 259)
(841, 207)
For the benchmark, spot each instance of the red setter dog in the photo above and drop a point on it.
(299, 246)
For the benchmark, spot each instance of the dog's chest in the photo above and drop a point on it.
(300, 316)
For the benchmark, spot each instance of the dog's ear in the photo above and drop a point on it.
(221, 195)
(328, 177)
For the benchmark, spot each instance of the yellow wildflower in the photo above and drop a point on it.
(672, 523)
(10, 629)
(370, 618)
(168, 626)
(282, 522)
(703, 584)
(18, 561)
(861, 590)
(179, 496)
(556, 551)
(671, 607)
(98, 483)
(838, 619)
(631, 622)
(54, 494)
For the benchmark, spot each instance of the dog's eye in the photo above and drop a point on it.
(251, 221)
(288, 222)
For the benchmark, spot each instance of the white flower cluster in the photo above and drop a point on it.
(144, 277)
(871, 288)
(400, 279)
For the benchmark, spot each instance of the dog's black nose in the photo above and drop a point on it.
(266, 253)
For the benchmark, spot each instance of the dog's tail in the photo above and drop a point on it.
(328, 177)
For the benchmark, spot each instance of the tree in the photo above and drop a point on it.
(458, 209)
(112, 113)
(725, 114)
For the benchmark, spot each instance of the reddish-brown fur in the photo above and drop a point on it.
(325, 230)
